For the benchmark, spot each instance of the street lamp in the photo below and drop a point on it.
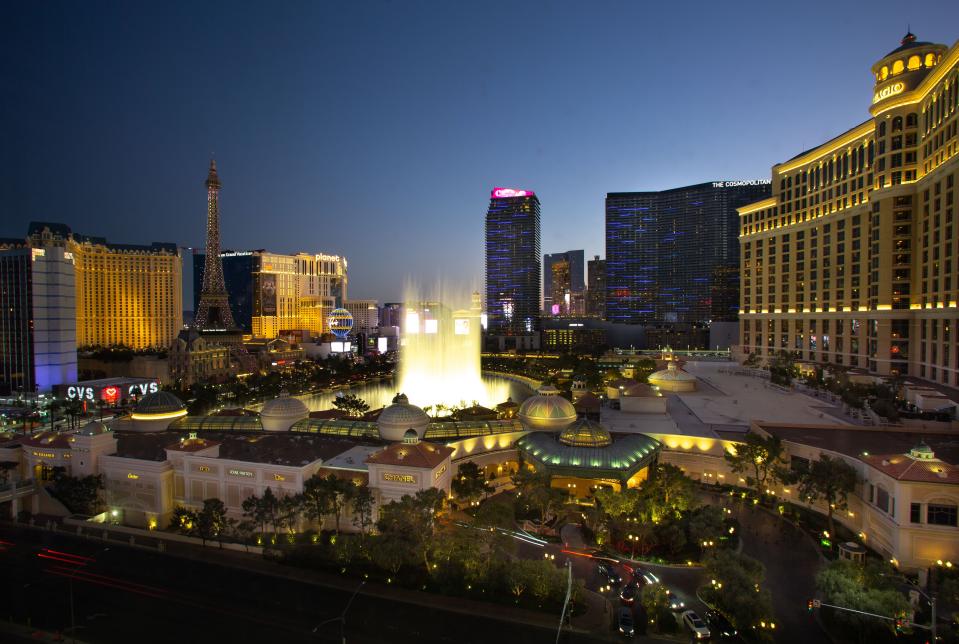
(342, 618)
(73, 621)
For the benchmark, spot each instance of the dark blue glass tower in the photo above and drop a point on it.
(513, 262)
(238, 269)
(669, 253)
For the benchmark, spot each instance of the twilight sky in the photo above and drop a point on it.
(377, 129)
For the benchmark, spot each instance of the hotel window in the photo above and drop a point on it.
(915, 513)
(882, 499)
(939, 514)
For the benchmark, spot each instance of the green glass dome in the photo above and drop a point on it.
(586, 433)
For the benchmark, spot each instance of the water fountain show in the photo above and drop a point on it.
(440, 356)
(439, 359)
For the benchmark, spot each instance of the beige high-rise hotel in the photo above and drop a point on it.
(854, 259)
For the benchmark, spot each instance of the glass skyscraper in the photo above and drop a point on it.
(513, 268)
(238, 269)
(38, 328)
(666, 250)
(574, 286)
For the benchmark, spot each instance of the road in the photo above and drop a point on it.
(791, 562)
(125, 594)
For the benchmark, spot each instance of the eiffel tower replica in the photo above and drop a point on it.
(214, 320)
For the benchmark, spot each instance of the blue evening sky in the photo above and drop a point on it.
(376, 129)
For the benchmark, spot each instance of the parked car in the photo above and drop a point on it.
(698, 627)
(629, 592)
(719, 626)
(626, 626)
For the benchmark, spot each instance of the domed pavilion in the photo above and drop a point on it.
(586, 456)
(547, 411)
(156, 411)
(672, 378)
(279, 414)
(396, 420)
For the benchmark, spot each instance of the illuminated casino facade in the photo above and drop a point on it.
(513, 268)
(669, 253)
(125, 294)
(272, 292)
(853, 258)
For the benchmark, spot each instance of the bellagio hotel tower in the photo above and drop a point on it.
(854, 259)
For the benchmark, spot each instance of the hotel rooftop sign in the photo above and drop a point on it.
(506, 193)
(737, 184)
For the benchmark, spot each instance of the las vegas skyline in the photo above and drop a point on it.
(326, 144)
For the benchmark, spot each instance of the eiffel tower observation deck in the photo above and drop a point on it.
(214, 320)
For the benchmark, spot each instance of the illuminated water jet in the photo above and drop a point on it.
(439, 362)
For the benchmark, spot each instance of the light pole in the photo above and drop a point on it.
(73, 621)
(342, 618)
(932, 606)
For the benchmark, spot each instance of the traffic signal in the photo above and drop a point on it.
(900, 623)
(809, 605)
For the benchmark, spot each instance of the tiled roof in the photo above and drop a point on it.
(422, 454)
(52, 440)
(903, 467)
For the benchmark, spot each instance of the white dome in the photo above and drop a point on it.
(94, 428)
(547, 412)
(673, 379)
(400, 417)
(279, 414)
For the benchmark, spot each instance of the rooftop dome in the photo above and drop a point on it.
(394, 421)
(159, 402)
(156, 411)
(908, 42)
(93, 428)
(586, 433)
(547, 411)
(279, 414)
(639, 390)
(922, 452)
(672, 378)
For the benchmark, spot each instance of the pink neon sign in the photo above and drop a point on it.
(504, 193)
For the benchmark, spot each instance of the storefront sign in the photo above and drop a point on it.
(45, 454)
(399, 478)
(79, 393)
(439, 473)
(131, 475)
(143, 389)
(242, 473)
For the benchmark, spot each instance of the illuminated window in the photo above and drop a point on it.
(884, 73)
(897, 67)
(914, 63)
(930, 60)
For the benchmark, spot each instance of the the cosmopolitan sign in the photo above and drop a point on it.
(737, 184)
(505, 193)
(889, 90)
